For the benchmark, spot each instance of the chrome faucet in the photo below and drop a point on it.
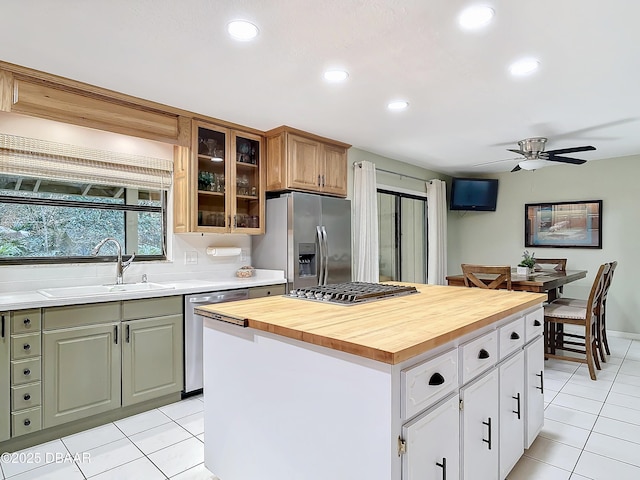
(121, 266)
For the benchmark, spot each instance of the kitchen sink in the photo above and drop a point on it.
(90, 290)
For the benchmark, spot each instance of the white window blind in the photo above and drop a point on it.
(29, 157)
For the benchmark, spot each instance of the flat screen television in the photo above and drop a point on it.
(476, 194)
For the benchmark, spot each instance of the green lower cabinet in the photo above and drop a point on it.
(152, 358)
(5, 408)
(81, 372)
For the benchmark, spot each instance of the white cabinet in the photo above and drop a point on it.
(512, 416)
(480, 427)
(511, 337)
(534, 324)
(428, 382)
(478, 355)
(534, 387)
(433, 444)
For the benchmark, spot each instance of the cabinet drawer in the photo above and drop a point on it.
(26, 421)
(429, 382)
(25, 346)
(25, 321)
(511, 337)
(478, 355)
(76, 315)
(25, 371)
(151, 307)
(267, 291)
(26, 396)
(534, 325)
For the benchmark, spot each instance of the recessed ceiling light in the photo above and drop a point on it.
(398, 105)
(476, 16)
(335, 75)
(242, 30)
(524, 66)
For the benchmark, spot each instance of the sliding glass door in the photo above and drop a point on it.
(402, 223)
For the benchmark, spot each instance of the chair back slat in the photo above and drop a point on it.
(607, 280)
(471, 278)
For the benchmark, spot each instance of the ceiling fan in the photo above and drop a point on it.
(535, 156)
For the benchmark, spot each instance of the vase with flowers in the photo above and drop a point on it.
(525, 267)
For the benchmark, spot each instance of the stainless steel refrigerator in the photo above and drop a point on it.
(309, 237)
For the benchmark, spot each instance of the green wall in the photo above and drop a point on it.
(498, 237)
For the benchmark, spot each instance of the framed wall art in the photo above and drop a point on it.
(563, 224)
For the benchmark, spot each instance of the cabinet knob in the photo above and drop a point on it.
(27, 422)
(436, 379)
(27, 346)
(536, 323)
(27, 371)
(27, 397)
(27, 322)
(514, 336)
(483, 354)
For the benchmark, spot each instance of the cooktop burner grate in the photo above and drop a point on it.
(351, 293)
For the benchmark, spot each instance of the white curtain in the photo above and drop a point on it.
(437, 228)
(365, 223)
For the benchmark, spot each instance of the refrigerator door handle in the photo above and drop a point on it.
(321, 278)
(325, 237)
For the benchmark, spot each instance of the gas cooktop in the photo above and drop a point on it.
(351, 293)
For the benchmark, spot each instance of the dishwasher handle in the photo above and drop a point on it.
(220, 297)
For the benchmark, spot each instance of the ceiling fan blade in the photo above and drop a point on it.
(516, 168)
(497, 161)
(515, 151)
(575, 161)
(562, 151)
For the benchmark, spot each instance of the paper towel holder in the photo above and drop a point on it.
(224, 251)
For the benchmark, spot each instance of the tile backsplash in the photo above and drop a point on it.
(187, 260)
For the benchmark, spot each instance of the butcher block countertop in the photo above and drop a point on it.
(390, 330)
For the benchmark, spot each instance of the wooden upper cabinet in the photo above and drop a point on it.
(302, 161)
(334, 159)
(62, 103)
(219, 182)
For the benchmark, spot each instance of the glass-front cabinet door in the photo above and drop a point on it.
(248, 208)
(212, 176)
(230, 180)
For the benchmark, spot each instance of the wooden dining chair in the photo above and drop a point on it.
(601, 330)
(557, 313)
(499, 275)
(559, 264)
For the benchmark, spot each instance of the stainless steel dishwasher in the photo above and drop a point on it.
(193, 334)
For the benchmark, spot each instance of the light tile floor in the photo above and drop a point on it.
(591, 431)
(591, 428)
(164, 443)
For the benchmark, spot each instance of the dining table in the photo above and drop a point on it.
(539, 281)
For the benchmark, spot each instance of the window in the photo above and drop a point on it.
(79, 198)
(402, 224)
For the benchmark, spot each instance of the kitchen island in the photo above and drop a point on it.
(315, 391)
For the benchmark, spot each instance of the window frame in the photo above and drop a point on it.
(91, 205)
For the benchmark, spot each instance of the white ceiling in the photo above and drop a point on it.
(465, 108)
